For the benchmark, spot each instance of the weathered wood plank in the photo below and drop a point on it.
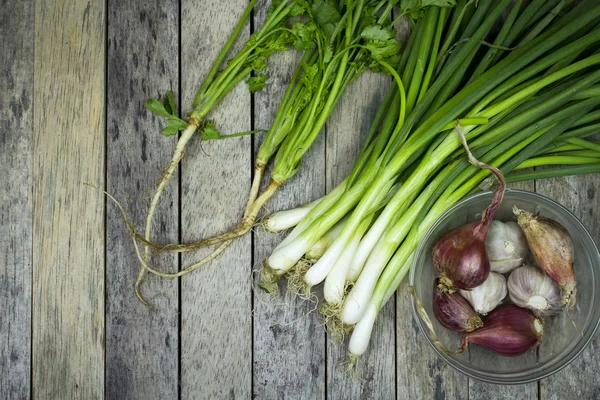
(16, 111)
(68, 222)
(289, 341)
(580, 194)
(346, 128)
(482, 390)
(216, 331)
(141, 343)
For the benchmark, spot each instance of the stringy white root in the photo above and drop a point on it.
(295, 280)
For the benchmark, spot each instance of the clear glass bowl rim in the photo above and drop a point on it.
(504, 379)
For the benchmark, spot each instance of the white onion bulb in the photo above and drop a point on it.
(506, 246)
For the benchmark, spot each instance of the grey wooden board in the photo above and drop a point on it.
(349, 123)
(484, 391)
(216, 330)
(16, 112)
(141, 343)
(68, 223)
(581, 195)
(289, 339)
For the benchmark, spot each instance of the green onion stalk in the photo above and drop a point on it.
(520, 102)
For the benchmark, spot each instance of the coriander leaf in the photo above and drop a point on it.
(169, 131)
(157, 107)
(170, 103)
(174, 125)
(300, 44)
(416, 5)
(298, 9)
(382, 44)
(210, 132)
(279, 42)
(326, 15)
(256, 83)
(377, 32)
(438, 3)
(304, 35)
(259, 64)
(311, 78)
(410, 5)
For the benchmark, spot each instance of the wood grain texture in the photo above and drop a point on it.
(16, 131)
(580, 195)
(346, 128)
(289, 339)
(482, 391)
(141, 343)
(68, 223)
(216, 331)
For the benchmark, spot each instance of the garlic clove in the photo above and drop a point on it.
(529, 287)
(506, 246)
(485, 297)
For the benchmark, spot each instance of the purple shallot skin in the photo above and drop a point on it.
(460, 257)
(454, 312)
(509, 331)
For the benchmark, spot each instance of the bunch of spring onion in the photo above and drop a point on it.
(524, 96)
(340, 39)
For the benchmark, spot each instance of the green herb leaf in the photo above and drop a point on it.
(439, 3)
(326, 15)
(157, 107)
(174, 125)
(382, 44)
(256, 83)
(416, 5)
(298, 9)
(304, 35)
(279, 42)
(170, 103)
(377, 32)
(210, 132)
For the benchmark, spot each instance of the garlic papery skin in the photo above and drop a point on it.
(485, 297)
(530, 287)
(506, 246)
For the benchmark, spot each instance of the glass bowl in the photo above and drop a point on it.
(561, 342)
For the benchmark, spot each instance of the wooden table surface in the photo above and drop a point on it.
(73, 78)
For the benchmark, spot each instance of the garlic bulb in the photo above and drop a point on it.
(485, 297)
(530, 287)
(506, 246)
